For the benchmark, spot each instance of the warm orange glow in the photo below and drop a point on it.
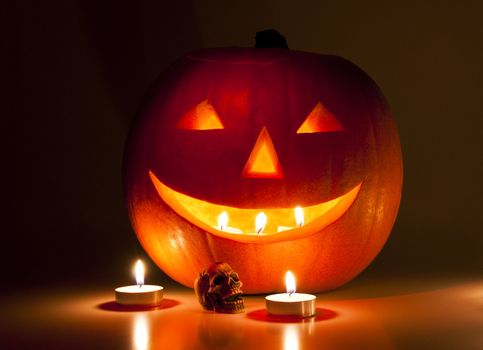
(263, 160)
(202, 117)
(290, 282)
(320, 119)
(205, 215)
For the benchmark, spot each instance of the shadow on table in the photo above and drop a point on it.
(113, 306)
(263, 315)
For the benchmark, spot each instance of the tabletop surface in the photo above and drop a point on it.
(381, 314)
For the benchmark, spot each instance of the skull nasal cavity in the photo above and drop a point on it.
(263, 160)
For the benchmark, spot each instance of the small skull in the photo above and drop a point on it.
(218, 288)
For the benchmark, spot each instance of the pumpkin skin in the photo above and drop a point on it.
(275, 90)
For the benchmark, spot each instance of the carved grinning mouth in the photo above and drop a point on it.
(280, 225)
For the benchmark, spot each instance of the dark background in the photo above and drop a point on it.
(76, 73)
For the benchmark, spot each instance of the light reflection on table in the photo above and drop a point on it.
(140, 332)
(291, 338)
(445, 317)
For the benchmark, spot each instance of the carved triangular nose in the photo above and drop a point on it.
(263, 160)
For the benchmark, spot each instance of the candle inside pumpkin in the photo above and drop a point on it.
(223, 224)
(299, 220)
(299, 216)
(260, 222)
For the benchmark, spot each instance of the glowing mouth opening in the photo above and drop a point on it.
(281, 223)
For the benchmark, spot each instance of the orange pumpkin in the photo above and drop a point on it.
(231, 133)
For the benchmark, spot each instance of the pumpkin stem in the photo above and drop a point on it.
(270, 38)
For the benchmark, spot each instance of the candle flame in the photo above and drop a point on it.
(222, 220)
(260, 222)
(299, 216)
(290, 282)
(139, 273)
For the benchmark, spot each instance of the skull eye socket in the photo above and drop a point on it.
(218, 280)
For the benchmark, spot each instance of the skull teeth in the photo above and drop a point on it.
(232, 303)
(230, 306)
(232, 297)
(238, 301)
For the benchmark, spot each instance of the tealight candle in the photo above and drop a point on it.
(140, 294)
(290, 303)
(299, 220)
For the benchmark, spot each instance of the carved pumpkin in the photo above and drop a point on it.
(235, 132)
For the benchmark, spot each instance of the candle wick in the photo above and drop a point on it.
(259, 230)
(290, 293)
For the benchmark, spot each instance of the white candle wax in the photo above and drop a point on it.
(228, 229)
(283, 228)
(232, 229)
(295, 304)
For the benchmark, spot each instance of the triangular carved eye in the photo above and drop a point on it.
(320, 119)
(201, 117)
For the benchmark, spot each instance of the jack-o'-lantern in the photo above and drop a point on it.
(266, 158)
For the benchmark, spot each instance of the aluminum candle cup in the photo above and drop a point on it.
(145, 295)
(295, 304)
